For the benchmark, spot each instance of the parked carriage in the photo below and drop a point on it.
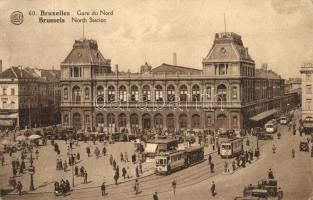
(174, 160)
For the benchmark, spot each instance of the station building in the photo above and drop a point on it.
(228, 92)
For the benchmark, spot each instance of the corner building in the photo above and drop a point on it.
(229, 92)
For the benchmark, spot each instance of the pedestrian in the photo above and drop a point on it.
(122, 157)
(104, 151)
(103, 188)
(116, 176)
(88, 151)
(117, 170)
(111, 160)
(137, 171)
(174, 186)
(85, 177)
(212, 167)
(270, 174)
(14, 171)
(210, 159)
(65, 166)
(78, 156)
(126, 157)
(2, 160)
(234, 165)
(136, 187)
(293, 153)
(114, 165)
(274, 148)
(19, 187)
(213, 189)
(76, 171)
(124, 172)
(155, 196)
(37, 154)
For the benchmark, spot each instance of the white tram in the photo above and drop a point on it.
(231, 148)
(170, 161)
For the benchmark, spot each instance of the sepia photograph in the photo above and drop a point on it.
(156, 100)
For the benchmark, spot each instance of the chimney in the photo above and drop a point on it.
(174, 59)
(116, 68)
(264, 66)
(21, 70)
(0, 66)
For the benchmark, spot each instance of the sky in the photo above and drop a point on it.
(276, 32)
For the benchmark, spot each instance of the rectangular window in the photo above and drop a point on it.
(12, 91)
(234, 92)
(308, 77)
(309, 89)
(209, 93)
(222, 69)
(4, 91)
(77, 72)
(65, 93)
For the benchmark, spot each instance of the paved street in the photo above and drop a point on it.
(194, 182)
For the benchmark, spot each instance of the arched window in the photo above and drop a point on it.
(100, 91)
(65, 93)
(183, 93)
(209, 92)
(134, 93)
(111, 93)
(195, 121)
(76, 94)
(122, 93)
(65, 120)
(209, 121)
(146, 93)
(87, 93)
(170, 93)
(221, 92)
(235, 92)
(183, 121)
(134, 122)
(87, 120)
(111, 122)
(146, 121)
(235, 122)
(77, 123)
(170, 122)
(158, 121)
(99, 120)
(158, 93)
(195, 93)
(122, 120)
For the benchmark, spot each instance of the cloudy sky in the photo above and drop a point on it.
(278, 32)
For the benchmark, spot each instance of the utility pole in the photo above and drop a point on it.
(29, 113)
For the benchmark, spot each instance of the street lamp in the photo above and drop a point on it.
(72, 161)
(31, 171)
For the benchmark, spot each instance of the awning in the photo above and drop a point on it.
(6, 122)
(307, 124)
(263, 115)
(151, 148)
(8, 115)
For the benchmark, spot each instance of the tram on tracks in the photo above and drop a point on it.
(174, 160)
(231, 148)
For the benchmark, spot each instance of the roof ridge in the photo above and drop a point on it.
(13, 72)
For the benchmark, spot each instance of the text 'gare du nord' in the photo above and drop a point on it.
(228, 78)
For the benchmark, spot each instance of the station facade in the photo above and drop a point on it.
(228, 92)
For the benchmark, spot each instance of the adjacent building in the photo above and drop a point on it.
(28, 99)
(307, 95)
(227, 92)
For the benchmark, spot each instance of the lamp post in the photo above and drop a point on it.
(73, 163)
(31, 172)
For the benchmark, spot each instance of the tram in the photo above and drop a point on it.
(174, 160)
(231, 148)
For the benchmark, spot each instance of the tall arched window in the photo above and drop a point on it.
(122, 93)
(158, 121)
(134, 93)
(111, 122)
(99, 120)
(183, 93)
(134, 122)
(65, 93)
(170, 122)
(76, 94)
(195, 93)
(158, 93)
(100, 91)
(87, 93)
(170, 93)
(65, 120)
(77, 123)
(146, 93)
(183, 121)
(221, 92)
(111, 93)
(195, 121)
(209, 92)
(122, 120)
